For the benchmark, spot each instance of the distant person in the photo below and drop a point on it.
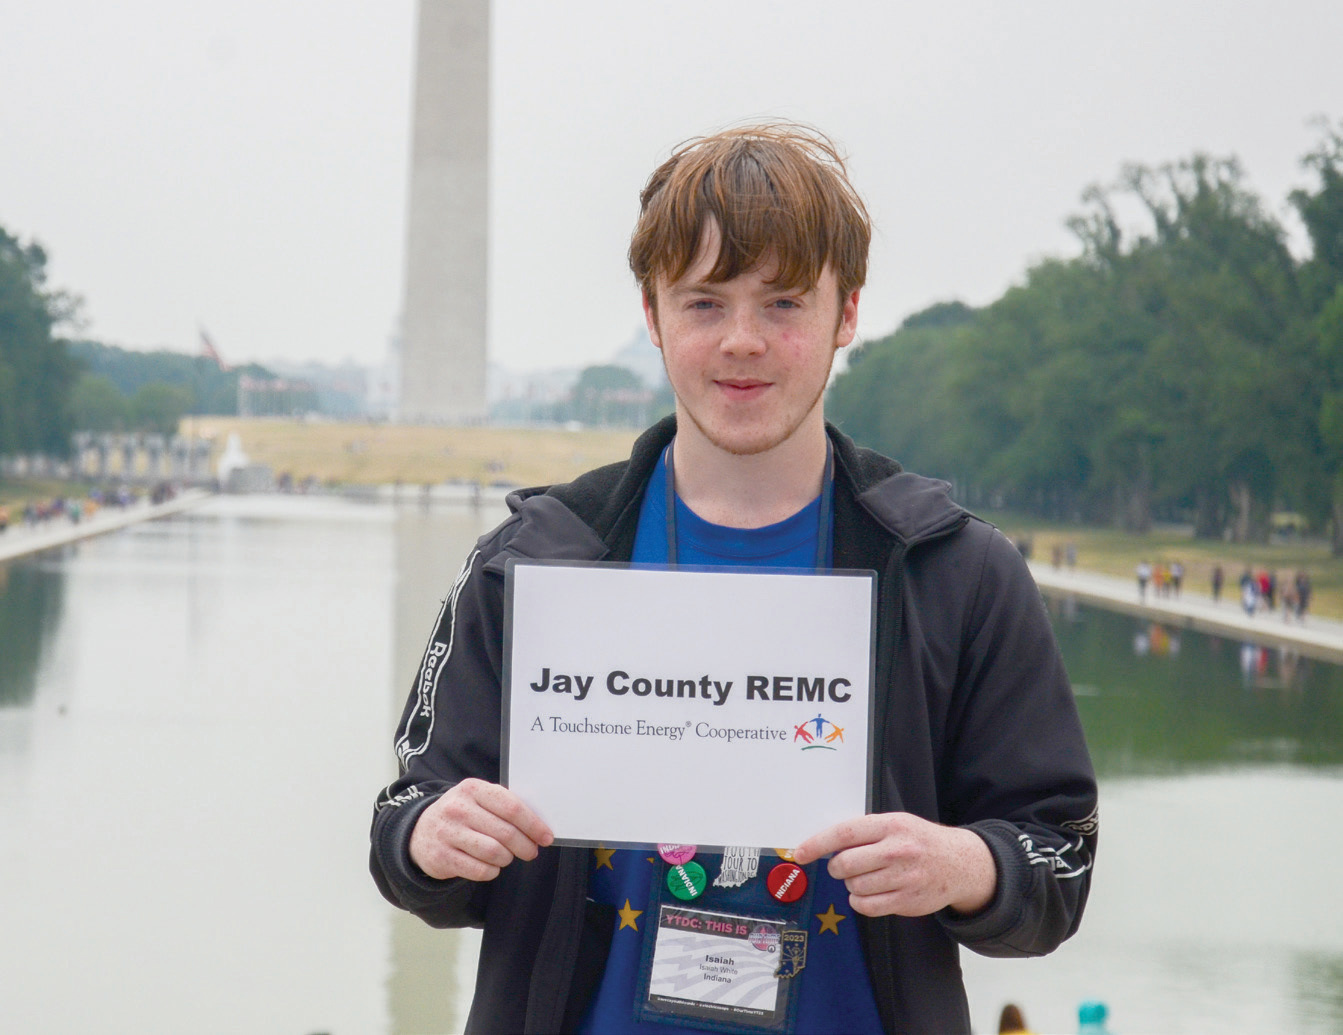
(1011, 1022)
(1144, 573)
(1091, 1018)
(1271, 590)
(1176, 577)
(1302, 596)
(1261, 584)
(1217, 576)
(4, 520)
(1159, 579)
(1249, 592)
(1289, 599)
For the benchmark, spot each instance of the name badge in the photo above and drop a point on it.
(723, 970)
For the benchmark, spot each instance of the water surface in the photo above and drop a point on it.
(196, 715)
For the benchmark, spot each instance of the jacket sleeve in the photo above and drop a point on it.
(1016, 768)
(449, 731)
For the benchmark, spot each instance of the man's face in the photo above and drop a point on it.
(748, 360)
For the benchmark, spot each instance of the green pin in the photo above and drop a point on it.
(687, 881)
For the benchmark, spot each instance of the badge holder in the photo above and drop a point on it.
(726, 959)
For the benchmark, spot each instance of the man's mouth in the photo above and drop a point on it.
(741, 385)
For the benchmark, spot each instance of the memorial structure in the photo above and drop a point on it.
(442, 352)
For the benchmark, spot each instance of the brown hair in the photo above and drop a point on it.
(778, 192)
(1010, 1020)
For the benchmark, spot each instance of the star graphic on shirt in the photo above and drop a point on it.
(628, 916)
(830, 920)
(603, 855)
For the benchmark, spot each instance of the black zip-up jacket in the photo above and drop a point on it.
(977, 719)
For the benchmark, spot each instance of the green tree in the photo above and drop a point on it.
(1226, 361)
(607, 394)
(1322, 286)
(1165, 370)
(160, 408)
(213, 389)
(1329, 339)
(36, 373)
(1322, 212)
(98, 405)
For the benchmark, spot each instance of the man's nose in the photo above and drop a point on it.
(744, 334)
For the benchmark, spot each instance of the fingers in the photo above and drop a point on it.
(474, 831)
(506, 805)
(892, 903)
(853, 864)
(896, 864)
(860, 831)
(448, 861)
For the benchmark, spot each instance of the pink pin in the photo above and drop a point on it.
(677, 855)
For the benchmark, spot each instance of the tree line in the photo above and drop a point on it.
(51, 386)
(1184, 366)
(36, 370)
(129, 390)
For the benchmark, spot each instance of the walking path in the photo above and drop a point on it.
(1318, 637)
(20, 539)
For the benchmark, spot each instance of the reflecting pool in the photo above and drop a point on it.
(196, 714)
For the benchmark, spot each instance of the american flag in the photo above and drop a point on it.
(209, 351)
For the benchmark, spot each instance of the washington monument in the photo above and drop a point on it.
(442, 363)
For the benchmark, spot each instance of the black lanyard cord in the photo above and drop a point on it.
(823, 518)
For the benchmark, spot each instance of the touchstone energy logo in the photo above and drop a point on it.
(819, 732)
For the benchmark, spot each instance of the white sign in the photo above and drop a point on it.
(719, 707)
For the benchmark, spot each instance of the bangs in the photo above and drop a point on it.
(779, 196)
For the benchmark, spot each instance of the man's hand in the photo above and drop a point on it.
(474, 831)
(896, 863)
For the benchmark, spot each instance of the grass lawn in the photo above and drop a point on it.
(1118, 553)
(349, 453)
(16, 494)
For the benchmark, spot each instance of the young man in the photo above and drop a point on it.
(751, 251)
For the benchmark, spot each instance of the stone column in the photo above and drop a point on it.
(103, 447)
(199, 461)
(154, 445)
(81, 440)
(442, 364)
(130, 445)
(177, 452)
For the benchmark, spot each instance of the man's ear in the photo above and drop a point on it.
(848, 320)
(651, 318)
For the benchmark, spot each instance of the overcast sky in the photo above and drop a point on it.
(242, 166)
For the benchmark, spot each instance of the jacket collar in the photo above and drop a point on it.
(607, 500)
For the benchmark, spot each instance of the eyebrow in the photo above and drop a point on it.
(697, 287)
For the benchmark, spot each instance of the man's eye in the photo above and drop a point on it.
(701, 303)
(786, 303)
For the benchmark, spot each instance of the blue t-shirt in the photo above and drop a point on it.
(835, 995)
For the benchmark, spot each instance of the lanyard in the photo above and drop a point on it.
(822, 522)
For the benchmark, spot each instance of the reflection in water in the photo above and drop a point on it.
(1155, 639)
(1157, 700)
(30, 605)
(217, 695)
(1319, 991)
(433, 972)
